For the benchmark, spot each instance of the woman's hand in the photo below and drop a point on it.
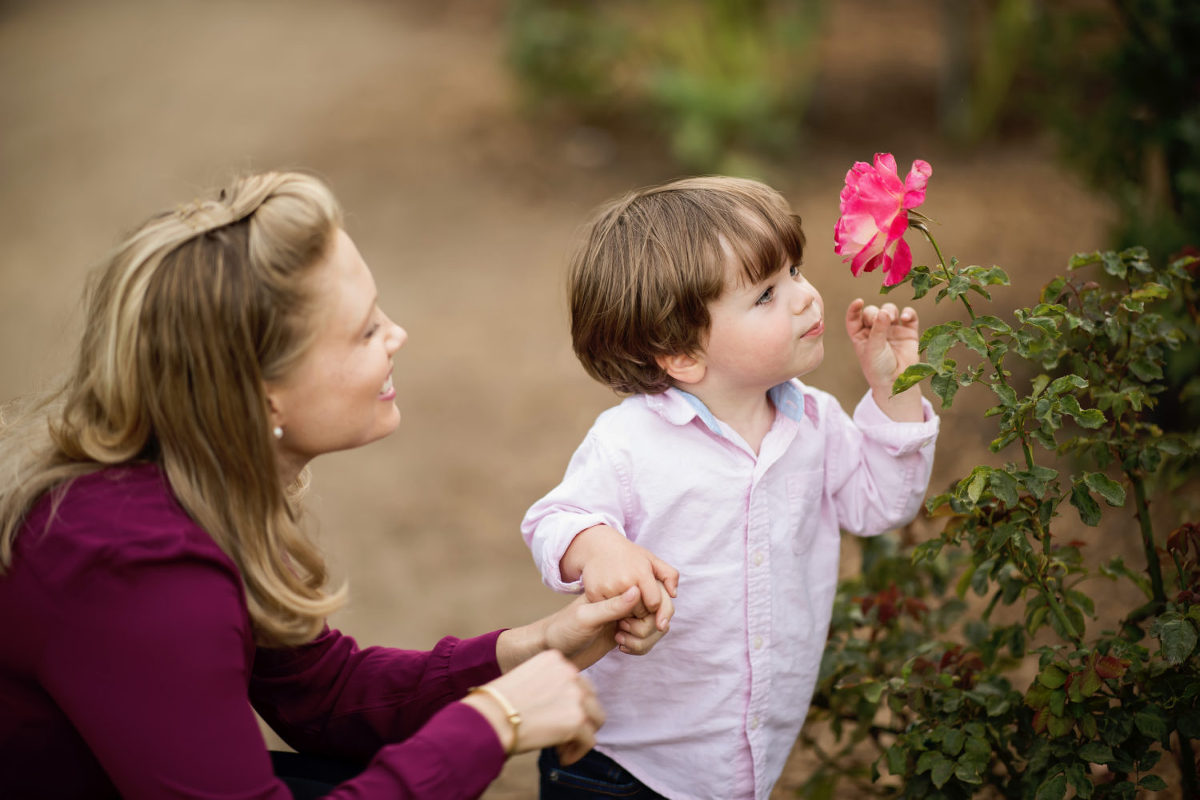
(584, 632)
(556, 704)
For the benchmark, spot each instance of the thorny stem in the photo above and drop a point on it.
(1142, 510)
(1051, 597)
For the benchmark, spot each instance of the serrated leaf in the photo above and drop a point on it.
(1112, 492)
(943, 768)
(1146, 370)
(1096, 753)
(1089, 509)
(1178, 638)
(912, 376)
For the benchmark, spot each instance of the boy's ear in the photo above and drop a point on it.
(686, 369)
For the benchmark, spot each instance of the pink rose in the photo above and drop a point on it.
(874, 206)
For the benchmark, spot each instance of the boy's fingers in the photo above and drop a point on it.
(665, 612)
(666, 574)
(651, 594)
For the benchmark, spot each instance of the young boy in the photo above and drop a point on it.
(690, 298)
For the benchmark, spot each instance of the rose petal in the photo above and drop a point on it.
(915, 183)
(900, 265)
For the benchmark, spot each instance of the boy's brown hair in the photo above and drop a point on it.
(640, 284)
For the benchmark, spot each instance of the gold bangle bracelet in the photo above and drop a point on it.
(514, 718)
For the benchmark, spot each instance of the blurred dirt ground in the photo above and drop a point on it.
(112, 109)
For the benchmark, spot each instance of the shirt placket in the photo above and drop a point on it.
(758, 618)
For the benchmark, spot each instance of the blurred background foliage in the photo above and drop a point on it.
(723, 85)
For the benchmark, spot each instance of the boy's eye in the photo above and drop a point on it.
(794, 270)
(765, 297)
(371, 330)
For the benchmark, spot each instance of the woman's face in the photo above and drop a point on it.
(340, 394)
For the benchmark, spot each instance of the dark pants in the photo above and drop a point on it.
(310, 777)
(593, 777)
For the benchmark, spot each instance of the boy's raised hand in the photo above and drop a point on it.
(885, 341)
(608, 564)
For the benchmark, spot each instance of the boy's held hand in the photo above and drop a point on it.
(608, 564)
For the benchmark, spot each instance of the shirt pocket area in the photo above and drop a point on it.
(804, 494)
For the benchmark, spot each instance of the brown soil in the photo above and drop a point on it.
(111, 109)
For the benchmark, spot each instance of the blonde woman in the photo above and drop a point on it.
(155, 580)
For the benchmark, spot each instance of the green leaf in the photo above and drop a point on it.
(1112, 492)
(1146, 370)
(945, 386)
(1152, 725)
(1089, 509)
(943, 768)
(1113, 265)
(1096, 753)
(1152, 783)
(1053, 789)
(1178, 637)
(991, 323)
(1052, 677)
(1066, 383)
(968, 772)
(912, 376)
(1005, 487)
(953, 743)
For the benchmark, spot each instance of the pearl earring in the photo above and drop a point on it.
(277, 431)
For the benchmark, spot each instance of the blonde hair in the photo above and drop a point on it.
(185, 321)
(640, 284)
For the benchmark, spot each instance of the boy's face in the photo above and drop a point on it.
(766, 333)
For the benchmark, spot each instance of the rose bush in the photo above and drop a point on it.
(875, 208)
(1033, 690)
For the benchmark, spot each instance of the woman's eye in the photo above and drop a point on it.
(765, 297)
(794, 270)
(371, 330)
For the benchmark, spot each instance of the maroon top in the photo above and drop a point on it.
(127, 666)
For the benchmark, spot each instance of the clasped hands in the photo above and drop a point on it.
(543, 700)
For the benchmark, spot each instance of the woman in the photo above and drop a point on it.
(154, 570)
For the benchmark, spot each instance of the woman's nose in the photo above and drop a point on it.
(396, 338)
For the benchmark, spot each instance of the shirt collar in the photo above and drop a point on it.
(680, 407)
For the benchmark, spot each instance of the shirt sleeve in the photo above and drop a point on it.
(590, 494)
(878, 468)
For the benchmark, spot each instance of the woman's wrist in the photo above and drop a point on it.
(517, 645)
(496, 715)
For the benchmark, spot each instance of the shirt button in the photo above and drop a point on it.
(754, 723)
(758, 558)
(757, 642)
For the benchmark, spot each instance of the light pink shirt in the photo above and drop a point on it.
(714, 709)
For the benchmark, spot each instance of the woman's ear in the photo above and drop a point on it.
(274, 413)
(683, 368)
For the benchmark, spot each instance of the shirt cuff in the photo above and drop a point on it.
(567, 527)
(897, 438)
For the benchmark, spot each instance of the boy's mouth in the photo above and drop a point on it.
(815, 330)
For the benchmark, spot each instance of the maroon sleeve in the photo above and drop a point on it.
(330, 698)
